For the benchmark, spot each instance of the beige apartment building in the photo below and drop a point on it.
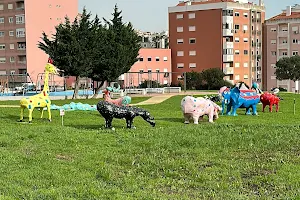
(225, 34)
(281, 39)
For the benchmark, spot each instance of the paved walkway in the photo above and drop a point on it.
(155, 99)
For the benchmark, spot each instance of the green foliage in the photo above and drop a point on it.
(288, 68)
(208, 79)
(244, 157)
(150, 84)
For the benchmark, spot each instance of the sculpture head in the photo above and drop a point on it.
(226, 95)
(50, 68)
(146, 116)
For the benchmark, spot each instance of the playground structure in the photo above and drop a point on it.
(41, 100)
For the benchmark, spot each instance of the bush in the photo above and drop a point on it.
(150, 84)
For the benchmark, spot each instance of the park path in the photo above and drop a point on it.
(155, 99)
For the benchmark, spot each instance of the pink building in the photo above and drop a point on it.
(281, 39)
(153, 64)
(21, 26)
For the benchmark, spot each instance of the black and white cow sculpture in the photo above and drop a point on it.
(110, 111)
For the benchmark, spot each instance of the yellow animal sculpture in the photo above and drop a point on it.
(39, 100)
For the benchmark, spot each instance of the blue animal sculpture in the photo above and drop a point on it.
(236, 98)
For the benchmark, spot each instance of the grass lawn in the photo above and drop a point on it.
(243, 157)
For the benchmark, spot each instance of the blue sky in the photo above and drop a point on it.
(152, 15)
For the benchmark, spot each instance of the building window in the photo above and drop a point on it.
(1, 7)
(149, 70)
(1, 20)
(192, 40)
(295, 53)
(1, 33)
(179, 29)
(273, 29)
(2, 60)
(246, 52)
(179, 41)
(12, 59)
(236, 64)
(192, 65)
(141, 59)
(20, 32)
(295, 28)
(141, 71)
(12, 72)
(165, 58)
(246, 40)
(10, 6)
(245, 64)
(20, 19)
(273, 41)
(245, 27)
(284, 41)
(149, 58)
(180, 65)
(10, 20)
(273, 53)
(237, 14)
(236, 52)
(192, 28)
(227, 51)
(284, 29)
(157, 70)
(57, 6)
(236, 27)
(237, 39)
(2, 46)
(180, 53)
(273, 65)
(295, 41)
(237, 77)
(11, 33)
(273, 77)
(284, 53)
(245, 76)
(192, 53)
(157, 59)
(12, 46)
(192, 15)
(245, 14)
(179, 16)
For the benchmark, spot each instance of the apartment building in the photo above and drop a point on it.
(225, 34)
(21, 26)
(153, 64)
(154, 39)
(281, 39)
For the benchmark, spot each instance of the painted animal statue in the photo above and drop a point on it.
(196, 108)
(236, 98)
(122, 101)
(270, 100)
(110, 111)
(40, 100)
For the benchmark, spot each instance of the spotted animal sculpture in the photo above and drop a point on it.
(41, 100)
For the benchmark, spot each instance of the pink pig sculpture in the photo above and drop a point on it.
(196, 108)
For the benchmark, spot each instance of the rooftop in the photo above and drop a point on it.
(294, 15)
(195, 2)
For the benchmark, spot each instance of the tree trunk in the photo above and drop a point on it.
(98, 90)
(75, 94)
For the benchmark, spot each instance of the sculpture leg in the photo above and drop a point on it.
(248, 111)
(277, 107)
(22, 114)
(254, 110)
(228, 109)
(129, 123)
(108, 122)
(223, 107)
(234, 111)
(42, 112)
(186, 118)
(264, 105)
(211, 117)
(271, 107)
(49, 112)
(196, 118)
(30, 115)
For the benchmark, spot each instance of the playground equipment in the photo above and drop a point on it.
(41, 100)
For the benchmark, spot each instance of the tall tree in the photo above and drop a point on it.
(213, 77)
(288, 68)
(118, 53)
(71, 47)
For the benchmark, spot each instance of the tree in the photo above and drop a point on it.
(118, 53)
(71, 47)
(193, 80)
(288, 68)
(213, 78)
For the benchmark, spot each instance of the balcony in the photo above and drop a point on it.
(228, 19)
(228, 45)
(283, 46)
(20, 5)
(283, 33)
(227, 32)
(228, 70)
(227, 58)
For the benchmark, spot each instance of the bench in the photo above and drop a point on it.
(155, 90)
(136, 91)
(172, 89)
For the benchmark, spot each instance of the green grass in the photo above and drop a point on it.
(243, 157)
